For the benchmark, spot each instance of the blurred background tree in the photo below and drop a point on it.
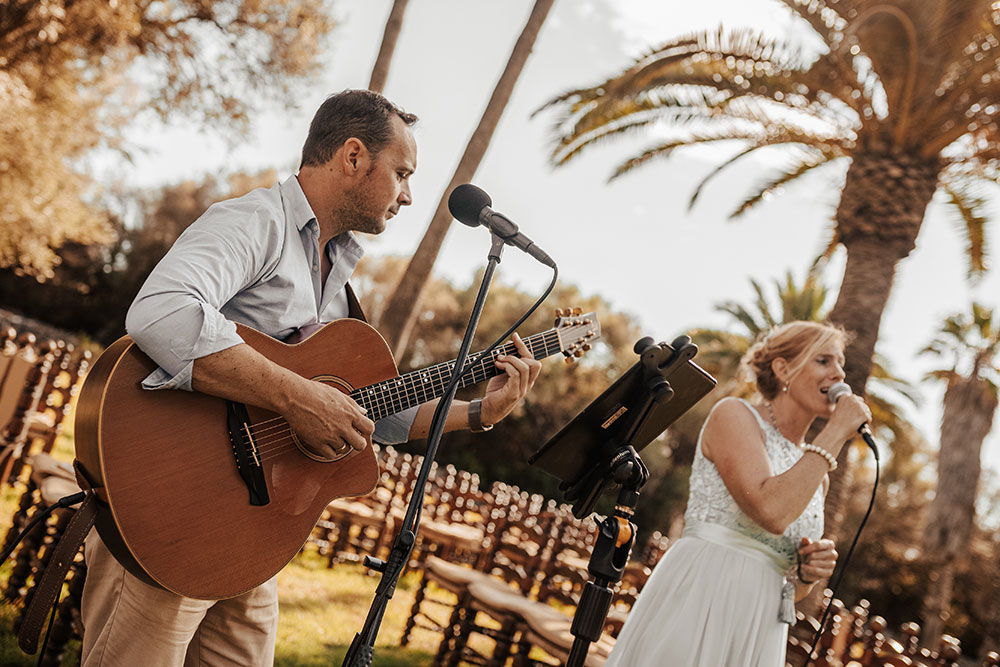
(91, 286)
(74, 74)
(972, 341)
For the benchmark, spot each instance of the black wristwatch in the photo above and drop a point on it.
(476, 424)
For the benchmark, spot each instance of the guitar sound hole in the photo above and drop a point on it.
(345, 387)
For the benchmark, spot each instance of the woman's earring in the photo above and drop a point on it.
(784, 388)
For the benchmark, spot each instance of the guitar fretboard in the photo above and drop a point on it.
(392, 396)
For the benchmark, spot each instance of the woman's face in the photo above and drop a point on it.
(810, 386)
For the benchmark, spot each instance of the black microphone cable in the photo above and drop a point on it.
(843, 568)
(471, 361)
(39, 517)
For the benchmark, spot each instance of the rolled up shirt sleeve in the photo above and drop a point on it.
(176, 316)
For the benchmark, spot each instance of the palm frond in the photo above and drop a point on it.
(743, 316)
(795, 170)
(823, 19)
(973, 217)
(564, 153)
(665, 149)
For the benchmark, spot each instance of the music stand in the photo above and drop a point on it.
(599, 449)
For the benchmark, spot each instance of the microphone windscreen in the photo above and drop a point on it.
(466, 202)
(837, 391)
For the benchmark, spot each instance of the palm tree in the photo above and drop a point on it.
(396, 322)
(380, 72)
(972, 340)
(905, 94)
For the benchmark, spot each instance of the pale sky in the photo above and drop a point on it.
(632, 241)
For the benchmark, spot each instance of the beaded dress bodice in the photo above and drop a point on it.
(709, 500)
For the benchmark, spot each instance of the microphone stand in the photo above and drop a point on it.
(362, 650)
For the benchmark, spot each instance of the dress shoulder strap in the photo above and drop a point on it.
(760, 420)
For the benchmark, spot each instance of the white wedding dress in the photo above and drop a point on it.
(719, 597)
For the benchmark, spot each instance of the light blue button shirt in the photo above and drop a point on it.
(255, 260)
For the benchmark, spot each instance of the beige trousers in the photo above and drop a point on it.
(128, 623)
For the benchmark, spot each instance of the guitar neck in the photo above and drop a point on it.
(392, 396)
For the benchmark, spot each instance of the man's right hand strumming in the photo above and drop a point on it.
(326, 420)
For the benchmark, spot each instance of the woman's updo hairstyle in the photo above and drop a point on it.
(795, 342)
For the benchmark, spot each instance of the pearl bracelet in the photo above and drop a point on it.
(831, 460)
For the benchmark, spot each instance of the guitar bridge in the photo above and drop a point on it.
(245, 450)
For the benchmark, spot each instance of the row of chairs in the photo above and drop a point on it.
(500, 552)
(48, 481)
(858, 638)
(510, 559)
(38, 381)
(505, 593)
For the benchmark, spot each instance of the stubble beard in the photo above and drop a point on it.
(354, 212)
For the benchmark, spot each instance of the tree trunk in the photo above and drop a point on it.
(969, 406)
(992, 634)
(937, 601)
(392, 27)
(396, 323)
(881, 209)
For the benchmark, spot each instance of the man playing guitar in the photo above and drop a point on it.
(276, 260)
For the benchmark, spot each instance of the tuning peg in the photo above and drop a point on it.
(578, 353)
(569, 361)
(578, 311)
(559, 312)
(586, 347)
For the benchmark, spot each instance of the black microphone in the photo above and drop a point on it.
(471, 206)
(836, 392)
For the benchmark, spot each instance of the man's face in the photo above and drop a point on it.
(385, 187)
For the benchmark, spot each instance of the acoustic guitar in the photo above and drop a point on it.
(209, 498)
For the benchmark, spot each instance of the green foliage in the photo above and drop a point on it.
(972, 340)
(92, 286)
(72, 74)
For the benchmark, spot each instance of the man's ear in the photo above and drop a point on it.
(355, 157)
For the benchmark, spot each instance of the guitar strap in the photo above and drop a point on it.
(353, 305)
(48, 588)
(52, 579)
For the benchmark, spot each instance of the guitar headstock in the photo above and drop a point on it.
(576, 331)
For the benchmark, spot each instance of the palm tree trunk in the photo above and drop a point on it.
(992, 633)
(969, 406)
(396, 323)
(937, 601)
(881, 209)
(392, 27)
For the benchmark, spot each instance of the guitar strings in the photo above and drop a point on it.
(277, 437)
(273, 437)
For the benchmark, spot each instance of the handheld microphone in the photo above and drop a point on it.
(471, 206)
(836, 392)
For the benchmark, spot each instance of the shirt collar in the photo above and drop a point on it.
(296, 205)
(297, 208)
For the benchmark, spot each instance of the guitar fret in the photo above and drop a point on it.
(416, 387)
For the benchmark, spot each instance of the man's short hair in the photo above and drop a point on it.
(362, 114)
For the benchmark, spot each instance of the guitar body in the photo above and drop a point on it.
(178, 513)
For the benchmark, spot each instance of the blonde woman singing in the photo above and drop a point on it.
(724, 594)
